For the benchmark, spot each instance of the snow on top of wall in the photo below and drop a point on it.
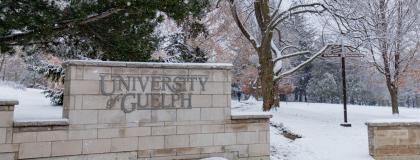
(396, 120)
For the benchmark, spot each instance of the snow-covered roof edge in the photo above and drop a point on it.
(223, 66)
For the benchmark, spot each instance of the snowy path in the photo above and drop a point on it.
(32, 104)
(323, 137)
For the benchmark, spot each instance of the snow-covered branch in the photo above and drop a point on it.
(304, 8)
(240, 25)
(290, 55)
(289, 72)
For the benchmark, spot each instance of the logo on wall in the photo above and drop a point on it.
(145, 92)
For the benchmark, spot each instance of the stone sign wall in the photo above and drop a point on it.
(127, 110)
(394, 140)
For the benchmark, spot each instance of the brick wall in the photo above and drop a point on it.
(394, 140)
(112, 110)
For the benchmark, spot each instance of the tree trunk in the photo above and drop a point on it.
(394, 101)
(266, 73)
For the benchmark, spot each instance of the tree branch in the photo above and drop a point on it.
(290, 55)
(62, 25)
(298, 9)
(240, 25)
(291, 71)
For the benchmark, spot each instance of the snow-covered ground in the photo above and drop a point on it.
(32, 104)
(323, 137)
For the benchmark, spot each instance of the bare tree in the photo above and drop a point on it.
(258, 20)
(388, 31)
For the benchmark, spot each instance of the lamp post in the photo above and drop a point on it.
(342, 52)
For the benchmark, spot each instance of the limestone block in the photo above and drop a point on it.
(62, 148)
(92, 146)
(227, 88)
(124, 144)
(9, 135)
(83, 116)
(22, 137)
(92, 73)
(125, 70)
(220, 75)
(68, 102)
(212, 149)
(220, 100)
(213, 128)
(197, 140)
(77, 72)
(188, 114)
(177, 72)
(174, 141)
(259, 150)
(151, 71)
(144, 154)
(214, 88)
(247, 137)
(188, 151)
(51, 136)
(151, 142)
(258, 127)
(264, 137)
(83, 134)
(126, 156)
(224, 138)
(109, 133)
(136, 131)
(74, 72)
(212, 114)
(34, 150)
(139, 116)
(390, 137)
(6, 119)
(163, 115)
(163, 152)
(84, 87)
(188, 129)
(94, 102)
(3, 132)
(214, 75)
(78, 100)
(201, 101)
(165, 130)
(9, 148)
(241, 149)
(111, 116)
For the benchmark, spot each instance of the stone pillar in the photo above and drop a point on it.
(396, 140)
(7, 149)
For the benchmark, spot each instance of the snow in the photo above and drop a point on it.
(415, 120)
(319, 124)
(32, 104)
